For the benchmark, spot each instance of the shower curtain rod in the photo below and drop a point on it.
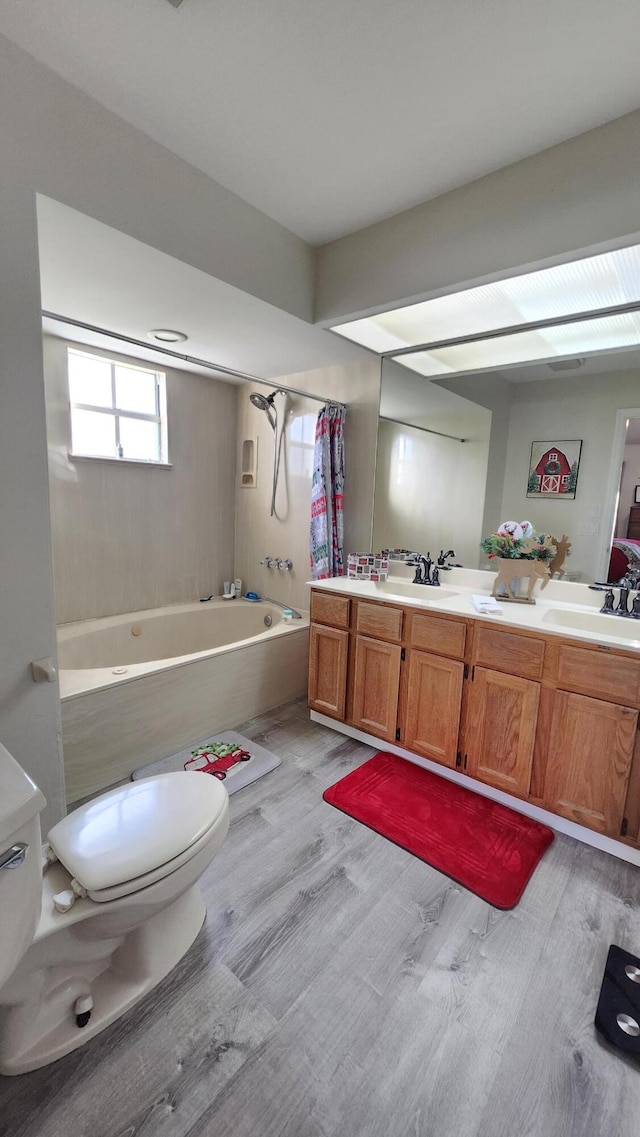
(189, 358)
(426, 429)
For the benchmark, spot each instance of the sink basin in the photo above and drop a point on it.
(616, 626)
(424, 592)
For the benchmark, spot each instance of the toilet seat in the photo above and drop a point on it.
(138, 834)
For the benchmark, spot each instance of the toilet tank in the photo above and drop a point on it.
(20, 874)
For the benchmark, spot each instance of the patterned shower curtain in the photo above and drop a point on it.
(327, 488)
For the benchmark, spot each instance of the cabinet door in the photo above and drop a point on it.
(501, 730)
(376, 682)
(328, 652)
(434, 697)
(589, 762)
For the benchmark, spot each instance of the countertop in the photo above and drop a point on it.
(561, 609)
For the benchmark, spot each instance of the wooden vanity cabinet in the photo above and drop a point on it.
(375, 666)
(589, 761)
(544, 718)
(502, 712)
(434, 687)
(501, 730)
(376, 683)
(328, 654)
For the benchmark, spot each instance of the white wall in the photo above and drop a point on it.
(566, 409)
(56, 141)
(287, 536)
(630, 479)
(29, 713)
(574, 196)
(430, 490)
(129, 537)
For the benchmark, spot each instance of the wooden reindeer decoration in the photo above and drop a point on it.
(512, 572)
(562, 544)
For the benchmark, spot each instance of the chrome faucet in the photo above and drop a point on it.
(296, 615)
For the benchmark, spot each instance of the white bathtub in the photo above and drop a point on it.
(140, 686)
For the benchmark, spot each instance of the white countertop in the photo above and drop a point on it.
(561, 609)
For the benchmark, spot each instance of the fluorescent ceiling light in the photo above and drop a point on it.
(588, 285)
(606, 333)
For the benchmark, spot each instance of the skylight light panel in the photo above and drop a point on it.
(588, 285)
(581, 337)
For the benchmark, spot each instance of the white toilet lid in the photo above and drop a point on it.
(135, 829)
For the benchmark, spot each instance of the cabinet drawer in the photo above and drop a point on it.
(328, 609)
(380, 622)
(504, 651)
(603, 676)
(445, 637)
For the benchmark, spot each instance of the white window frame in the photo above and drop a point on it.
(160, 417)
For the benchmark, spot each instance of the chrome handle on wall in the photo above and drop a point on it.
(284, 565)
(268, 561)
(14, 857)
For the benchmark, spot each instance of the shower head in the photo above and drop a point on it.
(262, 402)
(265, 403)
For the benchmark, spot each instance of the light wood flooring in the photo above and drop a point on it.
(342, 988)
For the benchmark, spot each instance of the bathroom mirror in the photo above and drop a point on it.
(436, 492)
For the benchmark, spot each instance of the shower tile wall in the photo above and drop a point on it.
(257, 533)
(131, 537)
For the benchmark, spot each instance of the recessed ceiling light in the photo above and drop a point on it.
(167, 335)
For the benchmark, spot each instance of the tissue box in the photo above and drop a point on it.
(367, 566)
(399, 554)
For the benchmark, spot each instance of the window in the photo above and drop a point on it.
(117, 410)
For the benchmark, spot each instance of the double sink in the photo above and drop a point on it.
(620, 627)
(594, 623)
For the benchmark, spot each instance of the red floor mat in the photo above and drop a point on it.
(479, 843)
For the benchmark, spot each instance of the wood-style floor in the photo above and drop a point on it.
(342, 988)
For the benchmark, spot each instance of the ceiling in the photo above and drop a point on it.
(95, 274)
(330, 116)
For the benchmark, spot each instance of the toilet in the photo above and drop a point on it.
(90, 924)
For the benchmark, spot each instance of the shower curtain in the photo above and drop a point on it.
(327, 519)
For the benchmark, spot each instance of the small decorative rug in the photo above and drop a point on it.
(482, 845)
(229, 756)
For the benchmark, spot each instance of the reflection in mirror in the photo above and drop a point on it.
(436, 493)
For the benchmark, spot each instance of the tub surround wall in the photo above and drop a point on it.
(127, 537)
(257, 533)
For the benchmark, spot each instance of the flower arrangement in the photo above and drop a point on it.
(517, 541)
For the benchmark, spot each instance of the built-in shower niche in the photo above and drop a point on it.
(249, 463)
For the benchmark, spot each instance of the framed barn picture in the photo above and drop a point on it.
(553, 469)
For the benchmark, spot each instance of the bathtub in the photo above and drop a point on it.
(137, 687)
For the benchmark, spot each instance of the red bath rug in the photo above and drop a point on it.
(482, 845)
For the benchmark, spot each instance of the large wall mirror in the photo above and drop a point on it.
(434, 491)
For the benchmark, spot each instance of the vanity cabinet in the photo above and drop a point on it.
(434, 701)
(501, 730)
(589, 763)
(376, 683)
(376, 668)
(435, 681)
(502, 718)
(547, 719)
(328, 654)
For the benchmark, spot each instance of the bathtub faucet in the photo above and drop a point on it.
(296, 615)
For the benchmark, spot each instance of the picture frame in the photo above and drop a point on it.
(553, 469)
(636, 496)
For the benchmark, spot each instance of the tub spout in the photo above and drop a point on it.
(296, 615)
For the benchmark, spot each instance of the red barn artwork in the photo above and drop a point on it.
(553, 470)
